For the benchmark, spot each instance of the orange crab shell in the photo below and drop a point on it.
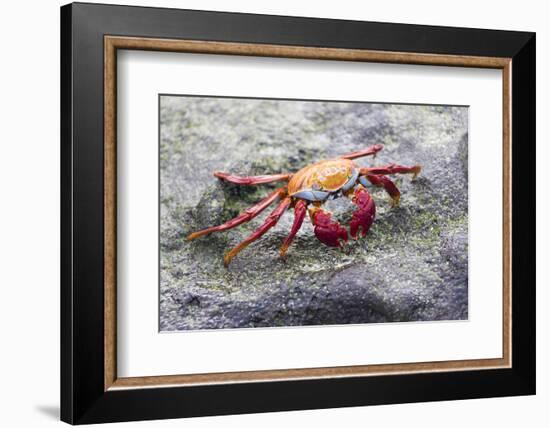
(327, 176)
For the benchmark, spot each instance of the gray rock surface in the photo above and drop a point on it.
(412, 266)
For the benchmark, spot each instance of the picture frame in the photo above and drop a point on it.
(91, 390)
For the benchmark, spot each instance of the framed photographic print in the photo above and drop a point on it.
(265, 213)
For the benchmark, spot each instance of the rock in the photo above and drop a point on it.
(412, 266)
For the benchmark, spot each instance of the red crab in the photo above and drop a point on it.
(308, 189)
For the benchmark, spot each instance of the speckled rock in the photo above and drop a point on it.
(412, 266)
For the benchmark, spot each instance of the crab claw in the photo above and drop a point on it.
(363, 216)
(329, 232)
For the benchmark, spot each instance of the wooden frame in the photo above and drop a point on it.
(112, 43)
(513, 53)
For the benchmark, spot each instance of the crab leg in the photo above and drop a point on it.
(329, 232)
(392, 169)
(300, 209)
(371, 150)
(269, 222)
(386, 183)
(247, 215)
(363, 216)
(250, 180)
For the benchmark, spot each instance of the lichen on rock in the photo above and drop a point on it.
(412, 266)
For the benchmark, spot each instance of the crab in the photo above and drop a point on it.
(306, 190)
